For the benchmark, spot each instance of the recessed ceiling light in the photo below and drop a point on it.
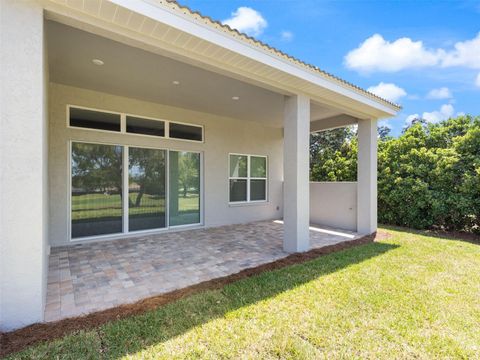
(176, 82)
(98, 62)
(235, 98)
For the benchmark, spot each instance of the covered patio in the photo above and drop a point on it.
(135, 120)
(90, 277)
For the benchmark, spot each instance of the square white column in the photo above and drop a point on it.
(23, 164)
(367, 177)
(296, 200)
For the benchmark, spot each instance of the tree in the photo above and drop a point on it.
(383, 132)
(413, 122)
(333, 155)
(147, 170)
(187, 171)
(428, 177)
(97, 167)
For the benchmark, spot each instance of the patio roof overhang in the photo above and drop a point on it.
(157, 27)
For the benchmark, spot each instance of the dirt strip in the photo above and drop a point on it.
(20, 339)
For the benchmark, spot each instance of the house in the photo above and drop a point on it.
(121, 118)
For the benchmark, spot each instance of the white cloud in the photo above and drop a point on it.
(466, 53)
(378, 54)
(388, 91)
(446, 111)
(440, 93)
(477, 80)
(286, 35)
(247, 20)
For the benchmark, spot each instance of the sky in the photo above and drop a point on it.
(423, 55)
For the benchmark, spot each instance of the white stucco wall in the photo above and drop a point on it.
(367, 176)
(222, 136)
(334, 204)
(23, 166)
(296, 164)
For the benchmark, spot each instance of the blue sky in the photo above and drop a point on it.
(424, 55)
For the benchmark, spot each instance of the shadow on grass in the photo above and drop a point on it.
(440, 234)
(131, 335)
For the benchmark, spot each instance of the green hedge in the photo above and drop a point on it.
(428, 177)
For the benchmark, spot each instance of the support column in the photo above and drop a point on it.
(296, 200)
(23, 164)
(367, 177)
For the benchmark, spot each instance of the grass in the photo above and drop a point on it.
(99, 205)
(408, 296)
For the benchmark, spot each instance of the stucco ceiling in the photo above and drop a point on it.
(135, 73)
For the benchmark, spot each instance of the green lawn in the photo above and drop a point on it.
(100, 205)
(409, 296)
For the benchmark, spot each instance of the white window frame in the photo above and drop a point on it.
(248, 178)
(123, 124)
(125, 231)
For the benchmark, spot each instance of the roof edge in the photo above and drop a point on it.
(175, 5)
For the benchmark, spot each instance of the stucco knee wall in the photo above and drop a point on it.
(334, 204)
(222, 136)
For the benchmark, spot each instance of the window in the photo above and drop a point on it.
(132, 124)
(97, 120)
(184, 180)
(96, 205)
(146, 188)
(248, 178)
(138, 125)
(118, 189)
(185, 132)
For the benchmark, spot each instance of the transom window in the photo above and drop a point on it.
(247, 178)
(132, 124)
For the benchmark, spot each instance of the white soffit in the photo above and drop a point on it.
(156, 27)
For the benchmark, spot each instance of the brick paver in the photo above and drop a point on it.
(89, 277)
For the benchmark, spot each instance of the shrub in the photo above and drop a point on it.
(428, 177)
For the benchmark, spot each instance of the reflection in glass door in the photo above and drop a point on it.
(184, 188)
(96, 189)
(146, 189)
(103, 202)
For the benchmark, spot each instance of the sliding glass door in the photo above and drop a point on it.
(146, 189)
(102, 199)
(96, 189)
(184, 188)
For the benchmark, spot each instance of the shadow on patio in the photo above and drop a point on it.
(90, 277)
(134, 334)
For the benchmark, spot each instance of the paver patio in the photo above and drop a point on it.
(89, 277)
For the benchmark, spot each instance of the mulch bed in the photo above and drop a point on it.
(443, 234)
(20, 339)
(455, 235)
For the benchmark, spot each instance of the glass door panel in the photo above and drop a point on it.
(184, 189)
(146, 189)
(96, 203)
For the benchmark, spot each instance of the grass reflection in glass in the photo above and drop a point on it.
(146, 189)
(96, 189)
